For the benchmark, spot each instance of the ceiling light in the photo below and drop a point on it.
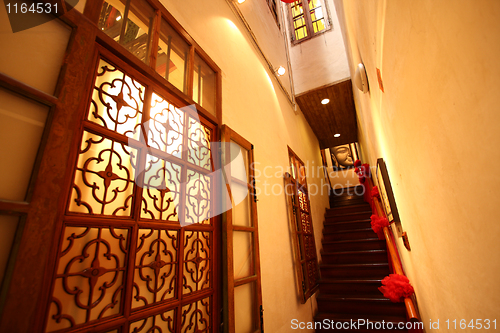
(325, 101)
(336, 135)
(118, 18)
(240, 1)
(281, 71)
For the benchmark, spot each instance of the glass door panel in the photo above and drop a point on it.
(244, 308)
(242, 271)
(243, 254)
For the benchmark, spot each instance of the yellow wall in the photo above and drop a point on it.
(437, 128)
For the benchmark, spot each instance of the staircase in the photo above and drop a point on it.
(354, 261)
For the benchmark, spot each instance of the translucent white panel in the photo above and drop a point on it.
(241, 209)
(242, 254)
(8, 226)
(21, 126)
(34, 55)
(239, 162)
(245, 308)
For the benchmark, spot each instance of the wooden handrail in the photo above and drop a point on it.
(393, 255)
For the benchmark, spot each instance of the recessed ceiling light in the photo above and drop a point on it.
(118, 18)
(325, 101)
(241, 1)
(281, 71)
(337, 135)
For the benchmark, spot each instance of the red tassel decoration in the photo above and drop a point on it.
(378, 223)
(375, 193)
(362, 171)
(357, 163)
(396, 287)
(366, 170)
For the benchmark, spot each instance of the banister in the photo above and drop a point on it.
(393, 255)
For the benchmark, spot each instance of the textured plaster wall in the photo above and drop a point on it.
(256, 108)
(321, 60)
(437, 127)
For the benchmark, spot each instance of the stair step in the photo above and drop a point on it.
(365, 305)
(346, 198)
(350, 287)
(353, 245)
(347, 225)
(374, 271)
(366, 324)
(330, 236)
(348, 209)
(354, 257)
(363, 215)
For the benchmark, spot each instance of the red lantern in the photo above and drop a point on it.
(288, 1)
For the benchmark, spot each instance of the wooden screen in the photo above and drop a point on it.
(242, 285)
(306, 260)
(136, 250)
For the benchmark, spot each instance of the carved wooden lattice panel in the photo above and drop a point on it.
(155, 267)
(90, 277)
(161, 323)
(161, 190)
(142, 172)
(303, 231)
(104, 177)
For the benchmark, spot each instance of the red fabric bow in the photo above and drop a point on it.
(378, 223)
(375, 193)
(357, 163)
(396, 287)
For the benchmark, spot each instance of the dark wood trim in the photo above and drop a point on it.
(245, 280)
(155, 40)
(21, 311)
(28, 91)
(13, 207)
(93, 9)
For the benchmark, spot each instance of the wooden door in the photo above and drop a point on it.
(137, 248)
(242, 283)
(304, 244)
